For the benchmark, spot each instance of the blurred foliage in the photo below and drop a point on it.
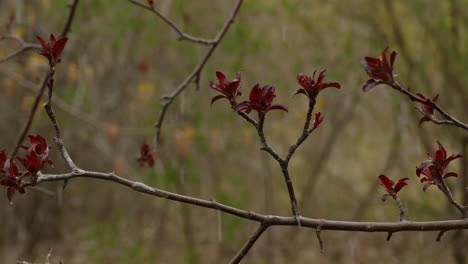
(121, 59)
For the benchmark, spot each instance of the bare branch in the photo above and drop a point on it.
(169, 99)
(267, 219)
(24, 47)
(439, 236)
(180, 32)
(445, 189)
(303, 136)
(58, 134)
(249, 244)
(32, 113)
(450, 120)
(389, 236)
(319, 237)
(402, 210)
(46, 78)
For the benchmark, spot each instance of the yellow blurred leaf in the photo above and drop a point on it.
(28, 102)
(89, 72)
(216, 141)
(145, 91)
(45, 4)
(18, 30)
(73, 72)
(7, 86)
(36, 61)
(183, 139)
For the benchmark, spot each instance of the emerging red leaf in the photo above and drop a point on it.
(52, 49)
(146, 155)
(37, 155)
(12, 179)
(391, 187)
(311, 86)
(434, 168)
(260, 100)
(427, 110)
(317, 121)
(379, 70)
(229, 89)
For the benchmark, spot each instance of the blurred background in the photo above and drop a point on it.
(121, 59)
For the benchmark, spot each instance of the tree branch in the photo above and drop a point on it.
(249, 244)
(46, 78)
(180, 32)
(169, 99)
(266, 219)
(450, 120)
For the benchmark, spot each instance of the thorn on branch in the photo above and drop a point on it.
(439, 236)
(389, 236)
(319, 238)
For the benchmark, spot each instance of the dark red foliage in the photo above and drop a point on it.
(391, 187)
(427, 110)
(146, 155)
(434, 168)
(229, 89)
(311, 87)
(260, 100)
(3, 158)
(52, 49)
(11, 177)
(379, 69)
(37, 155)
(317, 121)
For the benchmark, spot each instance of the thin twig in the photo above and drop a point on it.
(402, 210)
(180, 32)
(439, 235)
(389, 236)
(445, 189)
(249, 244)
(169, 99)
(58, 134)
(450, 120)
(318, 231)
(32, 113)
(303, 136)
(46, 78)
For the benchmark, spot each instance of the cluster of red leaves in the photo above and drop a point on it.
(379, 69)
(311, 87)
(434, 168)
(261, 98)
(381, 72)
(391, 187)
(52, 49)
(37, 155)
(427, 110)
(229, 89)
(146, 155)
(317, 121)
(35, 159)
